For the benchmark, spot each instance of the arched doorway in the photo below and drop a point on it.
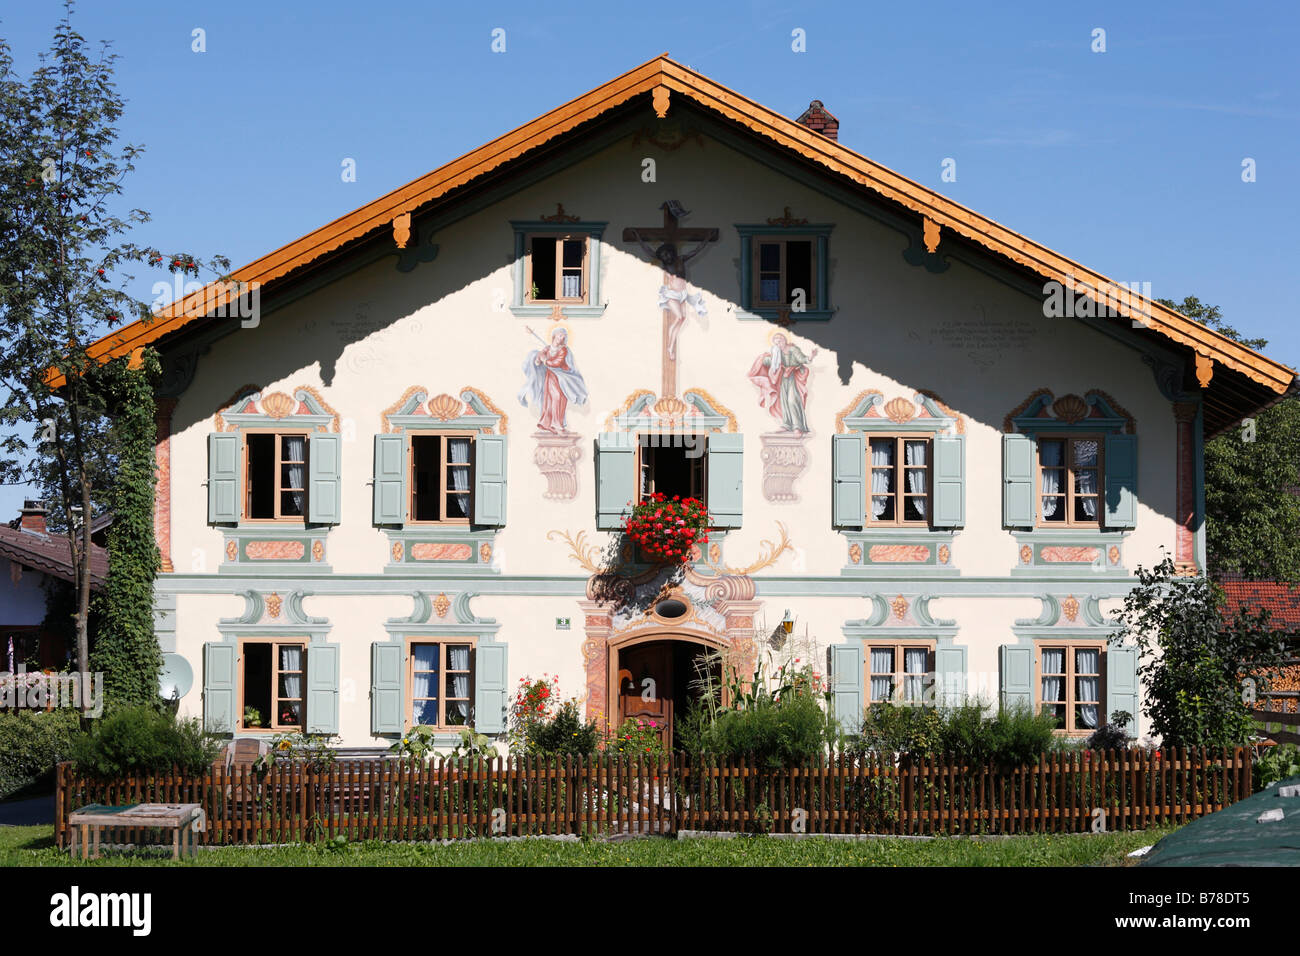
(656, 676)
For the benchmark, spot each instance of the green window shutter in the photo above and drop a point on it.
(1122, 684)
(390, 479)
(490, 688)
(615, 478)
(1121, 481)
(949, 481)
(1018, 477)
(219, 661)
(1017, 676)
(848, 472)
(846, 685)
(223, 478)
(324, 457)
(490, 480)
(726, 479)
(949, 676)
(322, 688)
(387, 682)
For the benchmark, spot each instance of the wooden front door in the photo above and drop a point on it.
(645, 677)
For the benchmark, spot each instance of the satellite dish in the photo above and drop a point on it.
(177, 677)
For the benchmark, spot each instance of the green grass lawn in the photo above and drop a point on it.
(34, 846)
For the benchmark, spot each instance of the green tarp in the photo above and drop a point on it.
(1234, 837)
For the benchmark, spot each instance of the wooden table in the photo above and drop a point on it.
(183, 819)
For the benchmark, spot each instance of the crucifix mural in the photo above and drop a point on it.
(674, 294)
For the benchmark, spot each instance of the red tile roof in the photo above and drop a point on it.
(48, 553)
(1281, 600)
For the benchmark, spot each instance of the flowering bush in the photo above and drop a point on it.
(637, 736)
(316, 750)
(541, 722)
(667, 528)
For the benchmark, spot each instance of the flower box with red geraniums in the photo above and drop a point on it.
(666, 529)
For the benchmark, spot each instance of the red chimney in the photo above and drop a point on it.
(33, 516)
(817, 119)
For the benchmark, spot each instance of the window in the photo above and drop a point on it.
(899, 672)
(272, 678)
(1068, 482)
(673, 465)
(441, 681)
(900, 480)
(557, 268)
(1070, 685)
(441, 477)
(782, 266)
(275, 477)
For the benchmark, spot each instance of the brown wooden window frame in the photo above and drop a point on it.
(444, 492)
(899, 494)
(273, 725)
(558, 238)
(898, 674)
(1070, 491)
(443, 643)
(280, 462)
(1071, 701)
(699, 472)
(758, 302)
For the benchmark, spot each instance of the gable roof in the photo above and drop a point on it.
(1281, 600)
(1256, 380)
(48, 554)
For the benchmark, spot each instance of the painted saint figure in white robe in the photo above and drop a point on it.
(551, 382)
(781, 376)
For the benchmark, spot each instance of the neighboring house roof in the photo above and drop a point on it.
(1236, 380)
(48, 554)
(1281, 600)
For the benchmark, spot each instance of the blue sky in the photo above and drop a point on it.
(1129, 161)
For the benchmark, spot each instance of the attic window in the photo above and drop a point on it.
(557, 269)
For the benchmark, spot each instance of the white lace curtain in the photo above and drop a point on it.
(1088, 661)
(291, 684)
(1085, 480)
(295, 449)
(882, 673)
(458, 452)
(458, 684)
(1053, 663)
(882, 456)
(914, 453)
(424, 683)
(914, 670)
(1053, 456)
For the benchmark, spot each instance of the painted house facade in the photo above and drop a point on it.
(389, 491)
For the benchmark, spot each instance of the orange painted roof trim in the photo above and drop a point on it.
(662, 71)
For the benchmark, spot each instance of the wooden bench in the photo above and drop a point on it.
(183, 819)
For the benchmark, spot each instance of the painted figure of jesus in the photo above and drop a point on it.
(674, 294)
(781, 376)
(551, 381)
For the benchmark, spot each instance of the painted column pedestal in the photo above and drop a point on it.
(557, 458)
(784, 459)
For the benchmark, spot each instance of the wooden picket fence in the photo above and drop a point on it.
(403, 800)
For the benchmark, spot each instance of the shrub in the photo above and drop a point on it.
(1111, 736)
(1275, 764)
(777, 733)
(32, 742)
(893, 728)
(137, 739)
(1009, 738)
(637, 737)
(565, 733)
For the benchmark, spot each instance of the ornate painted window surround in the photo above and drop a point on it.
(442, 550)
(1065, 551)
(925, 551)
(519, 305)
(820, 234)
(268, 614)
(429, 621)
(282, 547)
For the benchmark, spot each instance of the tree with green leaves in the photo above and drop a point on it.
(1202, 670)
(65, 280)
(1252, 475)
